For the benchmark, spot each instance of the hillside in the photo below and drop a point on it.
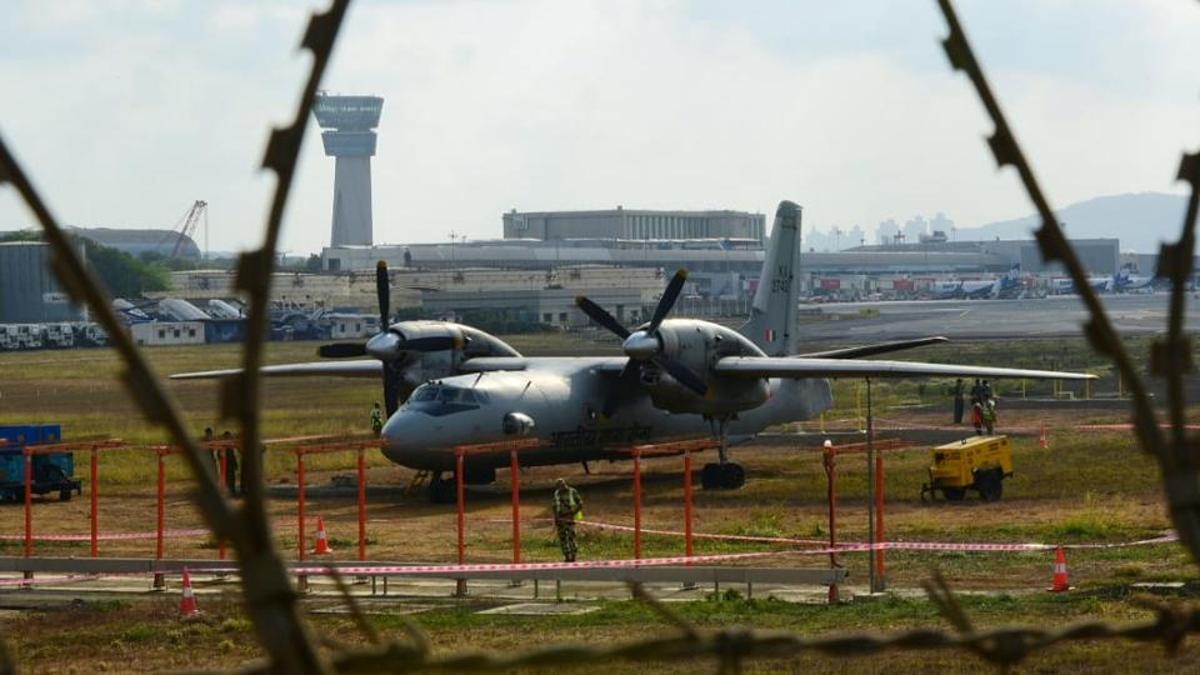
(1141, 221)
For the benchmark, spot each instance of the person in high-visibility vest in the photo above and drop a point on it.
(377, 419)
(568, 507)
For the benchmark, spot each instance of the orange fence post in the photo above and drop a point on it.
(95, 499)
(28, 502)
(160, 514)
(362, 505)
(831, 475)
(462, 499)
(637, 503)
(460, 584)
(687, 502)
(515, 471)
(224, 482)
(300, 501)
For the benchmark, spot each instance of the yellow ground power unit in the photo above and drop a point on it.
(978, 463)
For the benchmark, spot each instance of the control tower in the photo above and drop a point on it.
(349, 122)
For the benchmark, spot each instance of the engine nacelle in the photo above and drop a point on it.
(436, 349)
(698, 345)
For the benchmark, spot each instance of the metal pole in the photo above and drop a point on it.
(687, 502)
(870, 486)
(362, 504)
(880, 576)
(637, 504)
(161, 516)
(95, 506)
(515, 476)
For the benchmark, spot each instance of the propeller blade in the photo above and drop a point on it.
(342, 350)
(683, 374)
(391, 388)
(599, 315)
(668, 300)
(384, 293)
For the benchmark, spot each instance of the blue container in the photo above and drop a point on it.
(51, 472)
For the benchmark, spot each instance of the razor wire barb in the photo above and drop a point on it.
(271, 600)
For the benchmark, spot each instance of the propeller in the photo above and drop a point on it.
(645, 345)
(391, 384)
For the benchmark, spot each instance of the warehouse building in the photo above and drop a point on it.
(622, 223)
(29, 291)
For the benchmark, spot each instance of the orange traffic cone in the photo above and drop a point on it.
(1060, 583)
(1043, 440)
(322, 546)
(187, 604)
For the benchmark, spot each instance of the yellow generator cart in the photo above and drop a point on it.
(976, 463)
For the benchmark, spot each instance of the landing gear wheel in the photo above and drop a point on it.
(442, 491)
(727, 476)
(954, 494)
(990, 484)
(64, 495)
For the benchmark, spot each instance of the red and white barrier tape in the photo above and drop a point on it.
(109, 536)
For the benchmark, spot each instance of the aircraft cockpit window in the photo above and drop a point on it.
(481, 396)
(448, 394)
(468, 396)
(426, 394)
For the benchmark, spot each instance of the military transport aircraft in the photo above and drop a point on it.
(678, 378)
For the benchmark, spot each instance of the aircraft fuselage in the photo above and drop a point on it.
(564, 397)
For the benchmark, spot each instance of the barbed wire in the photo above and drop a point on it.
(271, 600)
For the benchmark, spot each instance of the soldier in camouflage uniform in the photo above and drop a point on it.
(377, 419)
(568, 505)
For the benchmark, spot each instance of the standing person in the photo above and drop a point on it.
(231, 464)
(377, 419)
(212, 454)
(959, 403)
(989, 416)
(986, 393)
(977, 417)
(977, 392)
(568, 506)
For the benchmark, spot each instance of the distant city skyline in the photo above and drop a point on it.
(130, 112)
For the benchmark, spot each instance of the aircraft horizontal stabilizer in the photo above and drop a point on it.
(362, 368)
(872, 350)
(765, 366)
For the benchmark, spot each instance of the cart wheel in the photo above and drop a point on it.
(954, 494)
(991, 485)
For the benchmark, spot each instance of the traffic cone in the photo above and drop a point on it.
(1060, 583)
(322, 546)
(1043, 440)
(188, 608)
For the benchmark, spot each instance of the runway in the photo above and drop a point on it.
(1053, 316)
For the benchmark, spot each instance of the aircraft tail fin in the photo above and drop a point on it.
(772, 324)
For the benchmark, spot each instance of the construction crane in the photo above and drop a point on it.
(187, 226)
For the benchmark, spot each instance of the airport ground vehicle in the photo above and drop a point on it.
(978, 463)
(52, 472)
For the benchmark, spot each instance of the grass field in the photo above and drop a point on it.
(1087, 488)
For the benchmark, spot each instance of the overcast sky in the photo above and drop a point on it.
(124, 111)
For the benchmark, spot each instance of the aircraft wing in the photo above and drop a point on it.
(765, 366)
(480, 364)
(357, 368)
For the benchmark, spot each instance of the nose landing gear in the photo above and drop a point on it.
(724, 474)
